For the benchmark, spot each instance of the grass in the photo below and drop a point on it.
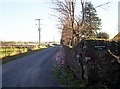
(11, 51)
(68, 79)
(10, 58)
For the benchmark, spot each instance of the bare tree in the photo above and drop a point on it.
(66, 9)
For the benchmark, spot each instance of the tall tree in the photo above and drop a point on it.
(92, 22)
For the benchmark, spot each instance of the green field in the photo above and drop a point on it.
(11, 51)
(14, 51)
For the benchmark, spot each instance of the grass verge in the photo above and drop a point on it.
(68, 79)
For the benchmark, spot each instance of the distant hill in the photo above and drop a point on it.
(117, 37)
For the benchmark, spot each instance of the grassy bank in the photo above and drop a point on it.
(68, 79)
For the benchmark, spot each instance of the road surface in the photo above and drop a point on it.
(35, 70)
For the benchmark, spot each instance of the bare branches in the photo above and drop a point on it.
(66, 10)
(76, 27)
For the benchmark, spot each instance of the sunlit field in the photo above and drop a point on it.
(14, 51)
(11, 51)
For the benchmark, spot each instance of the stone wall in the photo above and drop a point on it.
(93, 65)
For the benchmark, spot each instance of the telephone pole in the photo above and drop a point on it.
(39, 29)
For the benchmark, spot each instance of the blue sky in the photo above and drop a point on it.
(17, 19)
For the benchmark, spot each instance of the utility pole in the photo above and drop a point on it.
(39, 29)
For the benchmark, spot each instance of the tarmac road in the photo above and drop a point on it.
(34, 70)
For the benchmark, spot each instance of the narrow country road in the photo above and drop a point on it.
(35, 70)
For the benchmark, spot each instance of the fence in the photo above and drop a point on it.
(10, 50)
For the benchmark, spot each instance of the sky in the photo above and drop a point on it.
(119, 17)
(17, 19)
